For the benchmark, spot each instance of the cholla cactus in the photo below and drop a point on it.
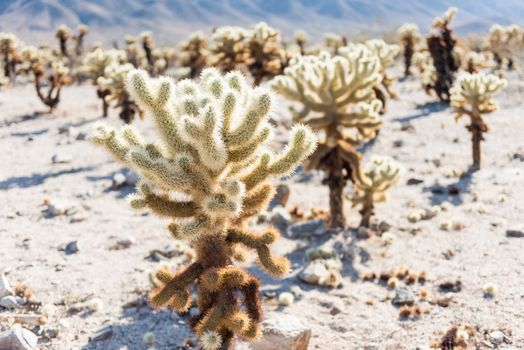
(408, 35)
(94, 66)
(9, 56)
(148, 44)
(333, 42)
(472, 95)
(265, 56)
(163, 58)
(208, 176)
(441, 45)
(474, 62)
(228, 48)
(114, 81)
(386, 54)
(79, 39)
(135, 53)
(301, 39)
(504, 43)
(378, 176)
(337, 98)
(194, 53)
(63, 33)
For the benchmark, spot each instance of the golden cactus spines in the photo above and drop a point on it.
(378, 176)
(207, 174)
(472, 95)
(337, 98)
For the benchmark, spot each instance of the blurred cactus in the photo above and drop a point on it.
(265, 55)
(193, 53)
(94, 67)
(79, 39)
(208, 176)
(228, 48)
(114, 82)
(472, 95)
(63, 33)
(301, 39)
(386, 54)
(337, 98)
(332, 42)
(504, 43)
(440, 45)
(379, 175)
(408, 35)
(10, 47)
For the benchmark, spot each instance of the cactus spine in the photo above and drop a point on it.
(209, 175)
(472, 95)
(337, 98)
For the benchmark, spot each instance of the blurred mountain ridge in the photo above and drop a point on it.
(172, 20)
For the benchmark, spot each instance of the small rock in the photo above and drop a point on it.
(103, 334)
(498, 337)
(58, 207)
(321, 272)
(61, 158)
(71, 248)
(515, 232)
(308, 228)
(450, 286)
(281, 197)
(414, 181)
(280, 218)
(5, 287)
(119, 180)
(398, 143)
(82, 135)
(11, 302)
(283, 332)
(384, 226)
(18, 338)
(403, 296)
(286, 298)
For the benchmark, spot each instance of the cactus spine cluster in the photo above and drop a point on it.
(472, 95)
(337, 98)
(408, 35)
(208, 176)
(440, 46)
(379, 175)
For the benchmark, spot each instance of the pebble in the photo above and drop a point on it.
(71, 248)
(283, 332)
(57, 207)
(11, 302)
(281, 197)
(103, 334)
(322, 272)
(18, 338)
(286, 298)
(517, 232)
(280, 218)
(403, 296)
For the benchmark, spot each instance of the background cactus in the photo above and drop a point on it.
(228, 48)
(472, 95)
(379, 175)
(63, 33)
(113, 81)
(338, 99)
(209, 174)
(9, 56)
(94, 67)
(408, 35)
(193, 53)
(386, 54)
(440, 46)
(504, 43)
(265, 58)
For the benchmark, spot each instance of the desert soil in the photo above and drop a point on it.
(115, 244)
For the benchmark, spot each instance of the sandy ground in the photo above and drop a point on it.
(358, 315)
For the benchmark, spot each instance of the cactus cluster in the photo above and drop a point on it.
(64, 34)
(9, 57)
(208, 173)
(504, 42)
(228, 49)
(113, 86)
(408, 36)
(472, 95)
(441, 44)
(337, 98)
(193, 53)
(94, 67)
